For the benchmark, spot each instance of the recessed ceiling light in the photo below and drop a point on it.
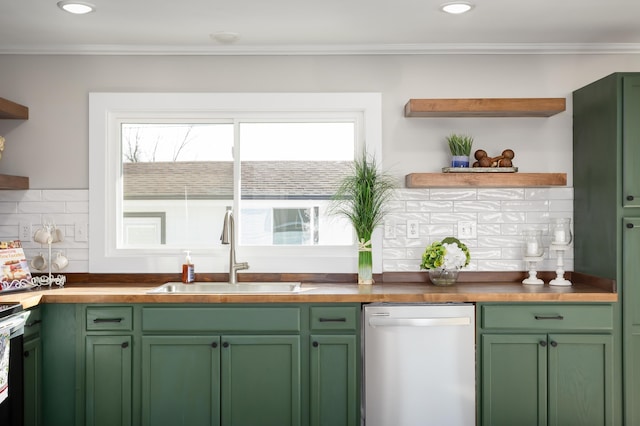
(456, 8)
(76, 7)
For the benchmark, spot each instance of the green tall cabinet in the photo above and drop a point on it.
(606, 172)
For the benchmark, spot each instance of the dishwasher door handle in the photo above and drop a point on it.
(417, 322)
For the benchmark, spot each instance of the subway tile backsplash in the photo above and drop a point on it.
(500, 216)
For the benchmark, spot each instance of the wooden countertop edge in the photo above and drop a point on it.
(328, 293)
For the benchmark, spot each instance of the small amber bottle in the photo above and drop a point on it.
(188, 270)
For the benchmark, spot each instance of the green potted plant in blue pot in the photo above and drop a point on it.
(460, 147)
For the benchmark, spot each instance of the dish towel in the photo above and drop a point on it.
(4, 363)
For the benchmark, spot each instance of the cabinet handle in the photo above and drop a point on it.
(332, 319)
(543, 343)
(225, 345)
(32, 323)
(214, 345)
(315, 344)
(26, 354)
(549, 317)
(629, 197)
(101, 320)
(124, 345)
(630, 225)
(554, 343)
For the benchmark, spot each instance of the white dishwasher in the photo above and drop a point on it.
(419, 365)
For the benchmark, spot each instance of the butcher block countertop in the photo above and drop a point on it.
(393, 287)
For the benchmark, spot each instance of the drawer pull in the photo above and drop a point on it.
(32, 323)
(214, 345)
(554, 343)
(630, 226)
(543, 343)
(629, 197)
(321, 319)
(549, 317)
(315, 344)
(225, 345)
(103, 320)
(124, 345)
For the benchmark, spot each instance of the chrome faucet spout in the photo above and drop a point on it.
(229, 237)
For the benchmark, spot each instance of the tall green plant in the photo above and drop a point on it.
(362, 197)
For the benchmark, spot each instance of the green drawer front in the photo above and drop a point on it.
(548, 317)
(32, 324)
(334, 318)
(199, 319)
(118, 318)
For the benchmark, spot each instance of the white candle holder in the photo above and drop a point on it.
(532, 279)
(559, 280)
(533, 253)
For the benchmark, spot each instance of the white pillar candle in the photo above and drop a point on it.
(559, 236)
(532, 248)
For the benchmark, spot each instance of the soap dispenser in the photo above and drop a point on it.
(188, 270)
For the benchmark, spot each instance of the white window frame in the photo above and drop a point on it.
(105, 159)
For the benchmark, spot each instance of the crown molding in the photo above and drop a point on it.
(355, 49)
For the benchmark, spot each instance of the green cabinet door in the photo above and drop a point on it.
(631, 141)
(514, 379)
(333, 380)
(108, 380)
(580, 380)
(32, 381)
(180, 380)
(260, 380)
(631, 303)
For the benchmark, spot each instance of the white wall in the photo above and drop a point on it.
(52, 146)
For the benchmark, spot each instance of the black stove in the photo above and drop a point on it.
(9, 309)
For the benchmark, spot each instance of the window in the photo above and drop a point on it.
(165, 167)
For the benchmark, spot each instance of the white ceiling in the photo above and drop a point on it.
(329, 26)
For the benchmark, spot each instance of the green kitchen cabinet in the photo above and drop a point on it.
(218, 364)
(606, 154)
(631, 276)
(32, 362)
(180, 380)
(334, 399)
(260, 380)
(221, 380)
(334, 368)
(546, 365)
(108, 364)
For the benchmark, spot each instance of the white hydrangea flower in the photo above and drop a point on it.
(454, 257)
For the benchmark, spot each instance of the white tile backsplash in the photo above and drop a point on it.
(500, 213)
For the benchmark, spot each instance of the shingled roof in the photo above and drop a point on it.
(214, 179)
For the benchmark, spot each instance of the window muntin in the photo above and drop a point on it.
(251, 114)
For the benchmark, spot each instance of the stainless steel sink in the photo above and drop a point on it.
(227, 288)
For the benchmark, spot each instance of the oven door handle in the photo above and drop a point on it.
(14, 321)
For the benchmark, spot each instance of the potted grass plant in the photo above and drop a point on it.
(460, 147)
(362, 197)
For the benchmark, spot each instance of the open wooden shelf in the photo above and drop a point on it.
(440, 180)
(485, 107)
(13, 182)
(12, 110)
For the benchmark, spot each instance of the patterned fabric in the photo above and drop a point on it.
(4, 364)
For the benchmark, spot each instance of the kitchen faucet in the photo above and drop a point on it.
(229, 237)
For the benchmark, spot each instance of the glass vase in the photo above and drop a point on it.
(365, 267)
(443, 277)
